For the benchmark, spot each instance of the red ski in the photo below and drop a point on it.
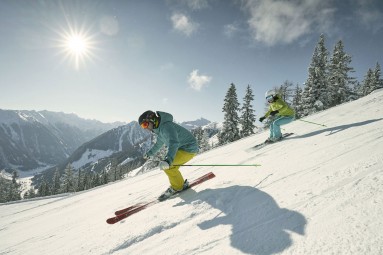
(126, 212)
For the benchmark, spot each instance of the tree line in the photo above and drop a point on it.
(329, 83)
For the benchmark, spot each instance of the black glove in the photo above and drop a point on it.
(262, 118)
(274, 112)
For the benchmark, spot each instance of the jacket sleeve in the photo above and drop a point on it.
(156, 147)
(275, 106)
(173, 142)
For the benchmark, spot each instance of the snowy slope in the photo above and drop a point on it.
(318, 192)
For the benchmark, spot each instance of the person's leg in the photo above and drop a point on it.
(271, 136)
(276, 125)
(175, 177)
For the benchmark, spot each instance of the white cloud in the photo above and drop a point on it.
(196, 4)
(370, 16)
(282, 22)
(230, 29)
(191, 4)
(183, 24)
(197, 81)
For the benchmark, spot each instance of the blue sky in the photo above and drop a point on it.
(112, 60)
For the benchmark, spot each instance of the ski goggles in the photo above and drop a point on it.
(145, 124)
(269, 98)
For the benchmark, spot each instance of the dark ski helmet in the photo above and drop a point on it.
(148, 116)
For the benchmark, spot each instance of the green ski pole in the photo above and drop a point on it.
(220, 165)
(313, 123)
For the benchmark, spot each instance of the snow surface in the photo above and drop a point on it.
(317, 192)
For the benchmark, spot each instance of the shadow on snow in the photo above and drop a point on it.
(334, 130)
(259, 225)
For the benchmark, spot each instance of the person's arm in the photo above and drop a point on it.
(156, 147)
(174, 143)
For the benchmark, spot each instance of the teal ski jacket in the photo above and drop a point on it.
(174, 136)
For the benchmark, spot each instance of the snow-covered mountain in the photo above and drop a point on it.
(123, 145)
(38, 139)
(319, 191)
(190, 125)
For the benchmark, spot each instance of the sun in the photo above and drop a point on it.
(77, 47)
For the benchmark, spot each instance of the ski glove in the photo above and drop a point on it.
(274, 112)
(164, 165)
(262, 118)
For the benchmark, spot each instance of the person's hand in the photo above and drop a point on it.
(164, 165)
(262, 118)
(274, 112)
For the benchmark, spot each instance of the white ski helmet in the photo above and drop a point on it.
(270, 93)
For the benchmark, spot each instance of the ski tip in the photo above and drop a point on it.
(111, 221)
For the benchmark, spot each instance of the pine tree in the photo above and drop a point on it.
(248, 117)
(314, 97)
(297, 102)
(95, 179)
(357, 90)
(378, 81)
(197, 133)
(104, 177)
(87, 181)
(13, 192)
(9, 190)
(68, 180)
(56, 182)
(80, 180)
(14, 188)
(204, 142)
(202, 137)
(230, 130)
(285, 91)
(15, 176)
(340, 83)
(43, 189)
(368, 82)
(31, 193)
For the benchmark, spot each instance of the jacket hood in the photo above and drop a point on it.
(165, 117)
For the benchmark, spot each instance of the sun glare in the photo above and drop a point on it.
(77, 47)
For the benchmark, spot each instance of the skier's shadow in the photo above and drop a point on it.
(259, 225)
(334, 130)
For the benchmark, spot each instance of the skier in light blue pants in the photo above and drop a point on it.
(283, 113)
(275, 126)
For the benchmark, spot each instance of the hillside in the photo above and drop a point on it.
(35, 140)
(319, 191)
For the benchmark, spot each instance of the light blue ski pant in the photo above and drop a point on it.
(275, 126)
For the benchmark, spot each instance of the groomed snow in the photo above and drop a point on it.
(317, 192)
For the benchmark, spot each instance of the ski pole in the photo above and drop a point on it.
(220, 165)
(313, 123)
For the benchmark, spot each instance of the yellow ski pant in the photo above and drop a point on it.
(175, 177)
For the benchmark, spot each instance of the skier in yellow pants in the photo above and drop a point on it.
(175, 177)
(182, 147)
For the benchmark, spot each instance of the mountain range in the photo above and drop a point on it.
(123, 146)
(43, 141)
(39, 139)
